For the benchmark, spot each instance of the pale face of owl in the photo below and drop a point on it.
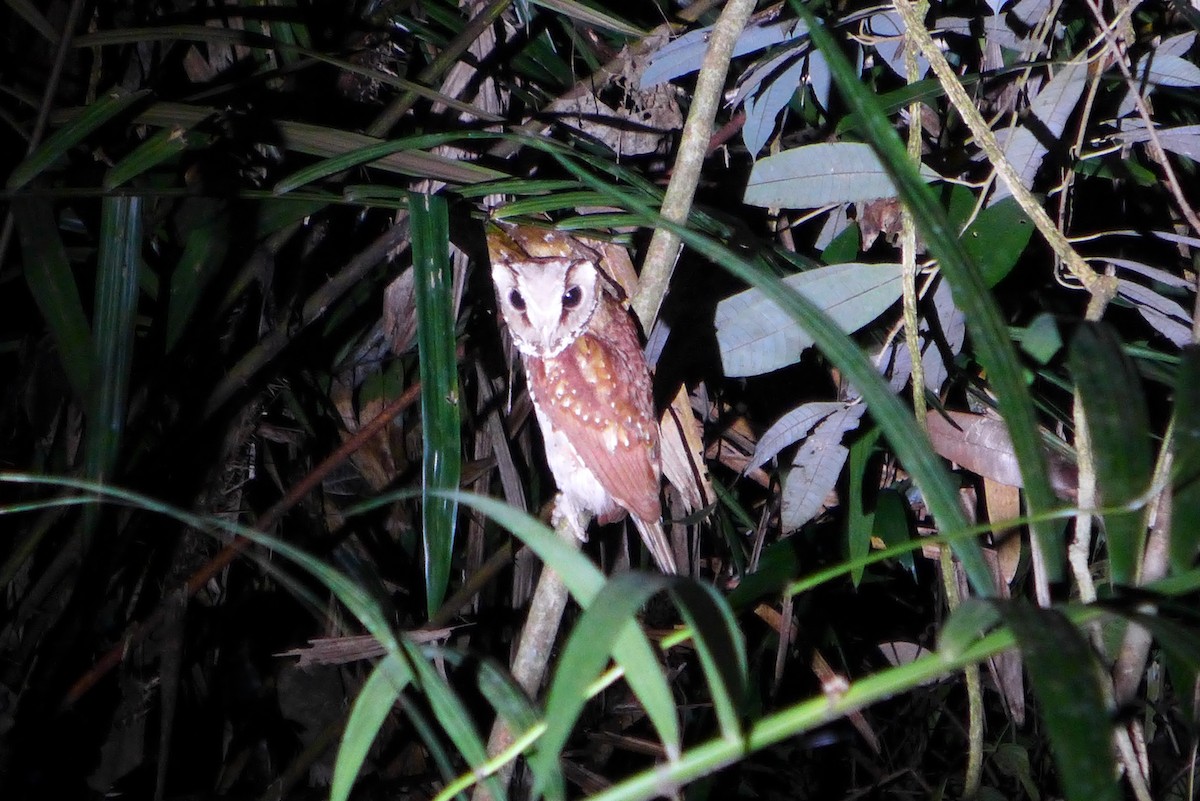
(546, 302)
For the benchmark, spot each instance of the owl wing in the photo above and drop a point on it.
(597, 393)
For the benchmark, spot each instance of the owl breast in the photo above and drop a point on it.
(595, 408)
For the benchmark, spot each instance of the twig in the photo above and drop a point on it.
(693, 148)
(1160, 155)
(533, 652)
(1101, 287)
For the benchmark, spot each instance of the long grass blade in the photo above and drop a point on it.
(70, 135)
(52, 284)
(115, 316)
(440, 419)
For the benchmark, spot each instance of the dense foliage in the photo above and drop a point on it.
(926, 362)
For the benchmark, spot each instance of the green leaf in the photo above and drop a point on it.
(440, 418)
(70, 135)
(844, 247)
(1041, 339)
(586, 654)
(1118, 427)
(451, 714)
(1185, 443)
(164, 145)
(115, 316)
(1063, 675)
(997, 239)
(966, 625)
(1012, 760)
(52, 284)
(860, 524)
(371, 708)
(366, 154)
(591, 17)
(722, 650)
(205, 247)
(892, 525)
(633, 651)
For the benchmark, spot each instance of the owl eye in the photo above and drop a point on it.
(571, 297)
(517, 301)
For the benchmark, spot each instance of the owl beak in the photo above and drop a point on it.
(547, 324)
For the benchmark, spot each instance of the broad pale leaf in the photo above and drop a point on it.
(816, 175)
(683, 55)
(1153, 273)
(816, 468)
(1176, 45)
(1182, 139)
(764, 106)
(755, 336)
(790, 428)
(1024, 147)
(1165, 315)
(1157, 69)
(891, 48)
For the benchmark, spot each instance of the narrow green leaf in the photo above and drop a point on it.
(371, 708)
(984, 322)
(510, 702)
(164, 145)
(860, 524)
(358, 156)
(966, 625)
(997, 239)
(114, 318)
(52, 284)
(722, 650)
(32, 15)
(892, 525)
(450, 712)
(560, 201)
(1118, 425)
(71, 135)
(633, 651)
(586, 654)
(1063, 675)
(436, 344)
(591, 16)
(320, 141)
(1185, 441)
(205, 248)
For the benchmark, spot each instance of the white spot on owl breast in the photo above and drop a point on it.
(574, 478)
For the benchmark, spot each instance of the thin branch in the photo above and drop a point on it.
(693, 148)
(1101, 287)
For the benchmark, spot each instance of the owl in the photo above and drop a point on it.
(587, 377)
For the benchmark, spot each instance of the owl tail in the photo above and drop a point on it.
(660, 547)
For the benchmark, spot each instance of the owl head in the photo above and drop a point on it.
(547, 284)
(547, 302)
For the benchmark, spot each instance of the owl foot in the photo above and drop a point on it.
(567, 517)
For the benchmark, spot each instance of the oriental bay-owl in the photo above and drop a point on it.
(587, 377)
